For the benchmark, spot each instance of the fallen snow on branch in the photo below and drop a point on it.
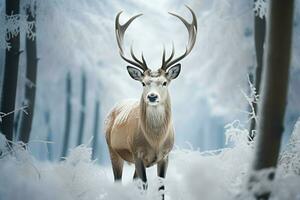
(23, 109)
(192, 174)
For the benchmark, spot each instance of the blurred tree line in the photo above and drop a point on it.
(17, 125)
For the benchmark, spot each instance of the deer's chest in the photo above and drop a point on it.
(151, 154)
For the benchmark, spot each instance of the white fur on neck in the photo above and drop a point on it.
(155, 116)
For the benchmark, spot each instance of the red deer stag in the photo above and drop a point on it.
(141, 132)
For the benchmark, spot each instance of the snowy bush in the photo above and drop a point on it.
(210, 175)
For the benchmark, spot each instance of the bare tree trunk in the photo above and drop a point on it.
(30, 85)
(96, 130)
(49, 135)
(68, 116)
(82, 109)
(259, 37)
(9, 87)
(274, 86)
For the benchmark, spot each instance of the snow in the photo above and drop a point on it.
(290, 158)
(192, 174)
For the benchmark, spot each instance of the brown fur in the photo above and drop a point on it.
(138, 136)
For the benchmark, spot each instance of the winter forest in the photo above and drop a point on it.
(230, 103)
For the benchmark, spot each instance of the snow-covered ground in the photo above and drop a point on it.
(210, 175)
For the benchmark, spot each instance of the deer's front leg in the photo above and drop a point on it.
(161, 172)
(141, 171)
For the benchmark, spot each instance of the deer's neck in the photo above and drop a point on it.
(155, 120)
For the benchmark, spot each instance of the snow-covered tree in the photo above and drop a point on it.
(274, 89)
(11, 68)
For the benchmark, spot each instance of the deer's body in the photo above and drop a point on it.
(141, 132)
(135, 130)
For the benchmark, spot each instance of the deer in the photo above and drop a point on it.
(141, 132)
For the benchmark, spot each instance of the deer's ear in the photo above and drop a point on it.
(135, 73)
(174, 71)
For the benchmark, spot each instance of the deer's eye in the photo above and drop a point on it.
(165, 83)
(143, 84)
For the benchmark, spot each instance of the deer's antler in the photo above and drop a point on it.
(192, 30)
(120, 31)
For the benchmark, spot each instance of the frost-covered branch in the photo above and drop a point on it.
(12, 25)
(236, 133)
(23, 109)
(260, 8)
(251, 99)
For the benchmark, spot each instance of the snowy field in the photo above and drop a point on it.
(192, 174)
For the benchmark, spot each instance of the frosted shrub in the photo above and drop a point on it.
(192, 174)
(79, 154)
(210, 175)
(236, 134)
(290, 158)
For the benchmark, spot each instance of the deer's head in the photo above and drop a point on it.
(155, 82)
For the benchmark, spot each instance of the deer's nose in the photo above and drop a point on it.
(152, 97)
